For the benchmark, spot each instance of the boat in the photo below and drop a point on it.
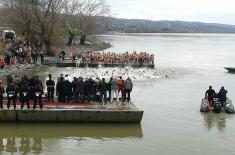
(229, 108)
(230, 69)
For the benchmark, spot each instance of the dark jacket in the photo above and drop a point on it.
(222, 95)
(50, 84)
(103, 86)
(210, 93)
(128, 85)
(80, 86)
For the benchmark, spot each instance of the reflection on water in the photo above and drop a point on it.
(212, 119)
(28, 138)
(24, 145)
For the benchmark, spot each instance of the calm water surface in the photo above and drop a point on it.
(172, 123)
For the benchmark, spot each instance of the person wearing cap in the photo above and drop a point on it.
(50, 88)
(2, 91)
(222, 96)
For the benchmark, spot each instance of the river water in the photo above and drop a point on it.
(172, 123)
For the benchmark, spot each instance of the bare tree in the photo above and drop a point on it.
(46, 14)
(79, 14)
(20, 14)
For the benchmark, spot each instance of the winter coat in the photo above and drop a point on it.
(128, 85)
(114, 84)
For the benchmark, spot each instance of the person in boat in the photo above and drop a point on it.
(11, 94)
(50, 88)
(128, 85)
(222, 96)
(210, 95)
(24, 93)
(2, 91)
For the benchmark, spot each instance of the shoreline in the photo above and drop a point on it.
(20, 69)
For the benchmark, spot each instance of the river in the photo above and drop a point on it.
(172, 123)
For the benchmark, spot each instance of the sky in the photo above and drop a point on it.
(210, 11)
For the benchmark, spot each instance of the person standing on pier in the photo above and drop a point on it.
(50, 88)
(103, 91)
(37, 95)
(11, 94)
(60, 90)
(2, 91)
(24, 93)
(114, 89)
(121, 87)
(128, 85)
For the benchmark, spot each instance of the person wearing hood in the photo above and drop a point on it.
(128, 85)
(222, 96)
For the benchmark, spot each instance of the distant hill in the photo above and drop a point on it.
(109, 24)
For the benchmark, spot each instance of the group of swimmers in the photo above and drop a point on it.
(115, 58)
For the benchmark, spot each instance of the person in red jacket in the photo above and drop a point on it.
(121, 86)
(1, 63)
(2, 91)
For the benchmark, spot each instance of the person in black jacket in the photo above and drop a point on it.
(80, 89)
(210, 95)
(103, 91)
(60, 89)
(50, 89)
(37, 95)
(88, 89)
(67, 89)
(222, 96)
(11, 95)
(109, 87)
(24, 93)
(2, 91)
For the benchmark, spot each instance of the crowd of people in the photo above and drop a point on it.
(24, 89)
(118, 58)
(79, 90)
(129, 58)
(19, 53)
(86, 90)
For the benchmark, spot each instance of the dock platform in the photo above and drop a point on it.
(74, 112)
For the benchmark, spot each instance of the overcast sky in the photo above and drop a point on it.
(212, 11)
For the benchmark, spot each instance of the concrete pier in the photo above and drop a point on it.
(127, 113)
